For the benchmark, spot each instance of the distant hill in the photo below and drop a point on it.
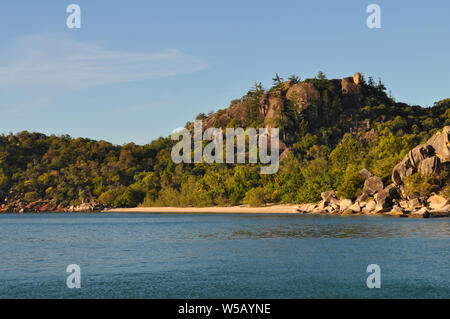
(329, 130)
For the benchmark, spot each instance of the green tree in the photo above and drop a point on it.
(277, 80)
(255, 197)
(321, 76)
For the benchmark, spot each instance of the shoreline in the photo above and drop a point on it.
(304, 209)
(272, 209)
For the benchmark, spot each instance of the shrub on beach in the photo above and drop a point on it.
(256, 197)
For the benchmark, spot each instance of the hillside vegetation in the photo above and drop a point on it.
(329, 130)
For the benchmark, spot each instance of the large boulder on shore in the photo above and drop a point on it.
(328, 196)
(362, 198)
(441, 145)
(344, 204)
(437, 202)
(86, 207)
(430, 166)
(402, 170)
(356, 207)
(383, 200)
(411, 204)
(393, 191)
(419, 153)
(420, 213)
(427, 158)
(370, 207)
(373, 185)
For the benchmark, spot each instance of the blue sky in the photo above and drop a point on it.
(137, 70)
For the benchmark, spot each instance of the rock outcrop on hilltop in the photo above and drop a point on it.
(427, 159)
(304, 95)
(351, 85)
(307, 99)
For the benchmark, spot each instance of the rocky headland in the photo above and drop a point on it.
(329, 130)
(431, 158)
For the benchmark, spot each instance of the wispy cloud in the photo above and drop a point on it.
(47, 62)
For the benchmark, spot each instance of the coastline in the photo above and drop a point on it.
(243, 209)
(306, 209)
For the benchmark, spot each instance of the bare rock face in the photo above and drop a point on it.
(351, 85)
(362, 198)
(427, 158)
(304, 95)
(357, 78)
(383, 200)
(373, 185)
(443, 212)
(393, 191)
(86, 207)
(271, 104)
(402, 170)
(347, 212)
(396, 211)
(411, 204)
(307, 208)
(329, 203)
(419, 153)
(441, 145)
(437, 202)
(430, 166)
(237, 111)
(330, 210)
(328, 196)
(420, 213)
(286, 85)
(370, 207)
(344, 204)
(285, 154)
(273, 101)
(356, 207)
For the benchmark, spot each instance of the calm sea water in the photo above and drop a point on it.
(222, 256)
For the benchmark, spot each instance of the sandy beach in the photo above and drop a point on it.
(272, 209)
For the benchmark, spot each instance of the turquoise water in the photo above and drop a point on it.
(222, 256)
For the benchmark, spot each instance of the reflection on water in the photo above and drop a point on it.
(222, 256)
(342, 229)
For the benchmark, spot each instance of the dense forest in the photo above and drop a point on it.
(329, 132)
